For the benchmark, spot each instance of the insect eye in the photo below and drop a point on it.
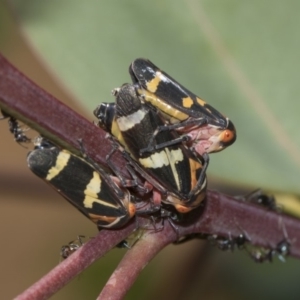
(227, 136)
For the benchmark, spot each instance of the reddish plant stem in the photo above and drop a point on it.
(227, 217)
(135, 260)
(152, 242)
(24, 100)
(220, 215)
(58, 277)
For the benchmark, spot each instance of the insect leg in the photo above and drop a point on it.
(184, 138)
(202, 176)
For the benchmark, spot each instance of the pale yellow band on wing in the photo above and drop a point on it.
(153, 84)
(61, 161)
(91, 192)
(164, 158)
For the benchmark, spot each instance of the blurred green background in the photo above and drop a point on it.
(240, 56)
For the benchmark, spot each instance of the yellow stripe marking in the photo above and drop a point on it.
(61, 162)
(175, 157)
(164, 158)
(200, 101)
(127, 122)
(91, 192)
(169, 110)
(115, 131)
(154, 83)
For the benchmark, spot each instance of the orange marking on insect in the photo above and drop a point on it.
(131, 209)
(227, 136)
(96, 218)
(183, 209)
(195, 165)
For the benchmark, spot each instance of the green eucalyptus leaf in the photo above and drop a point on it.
(240, 56)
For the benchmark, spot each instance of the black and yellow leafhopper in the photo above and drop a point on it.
(178, 176)
(201, 126)
(95, 193)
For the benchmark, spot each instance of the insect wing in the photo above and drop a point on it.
(175, 167)
(81, 185)
(164, 87)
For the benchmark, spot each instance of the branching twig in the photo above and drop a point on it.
(220, 214)
(75, 264)
(135, 260)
